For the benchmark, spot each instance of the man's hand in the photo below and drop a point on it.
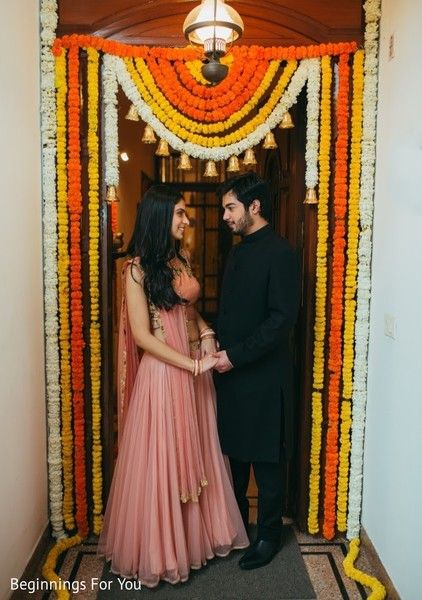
(223, 364)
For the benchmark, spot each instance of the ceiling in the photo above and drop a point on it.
(267, 22)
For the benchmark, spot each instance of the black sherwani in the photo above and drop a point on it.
(258, 306)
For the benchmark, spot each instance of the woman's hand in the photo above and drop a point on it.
(208, 362)
(208, 346)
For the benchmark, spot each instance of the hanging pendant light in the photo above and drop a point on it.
(311, 197)
(213, 24)
(184, 162)
(132, 114)
(249, 158)
(233, 165)
(111, 195)
(210, 169)
(287, 121)
(269, 142)
(162, 148)
(149, 135)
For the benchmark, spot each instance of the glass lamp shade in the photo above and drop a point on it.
(199, 25)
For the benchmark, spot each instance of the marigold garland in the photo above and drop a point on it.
(48, 18)
(49, 567)
(372, 10)
(155, 99)
(378, 590)
(320, 294)
(176, 122)
(202, 108)
(192, 53)
(94, 287)
(77, 340)
(336, 319)
(350, 289)
(63, 293)
(118, 67)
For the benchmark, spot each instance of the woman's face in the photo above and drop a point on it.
(180, 220)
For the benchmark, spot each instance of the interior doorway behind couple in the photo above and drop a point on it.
(209, 241)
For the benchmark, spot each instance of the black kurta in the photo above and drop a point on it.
(258, 307)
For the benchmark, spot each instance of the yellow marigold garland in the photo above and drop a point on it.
(94, 287)
(350, 289)
(176, 122)
(48, 570)
(320, 294)
(378, 590)
(63, 294)
(194, 68)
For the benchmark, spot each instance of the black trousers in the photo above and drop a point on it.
(268, 478)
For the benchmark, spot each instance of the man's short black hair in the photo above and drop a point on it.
(247, 188)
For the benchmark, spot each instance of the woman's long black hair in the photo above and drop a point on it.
(154, 245)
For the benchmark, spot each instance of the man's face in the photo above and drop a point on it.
(235, 215)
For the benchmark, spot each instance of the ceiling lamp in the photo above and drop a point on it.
(213, 24)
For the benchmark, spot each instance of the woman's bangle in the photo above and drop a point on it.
(207, 332)
(199, 367)
(193, 366)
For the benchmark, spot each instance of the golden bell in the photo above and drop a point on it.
(233, 164)
(311, 197)
(111, 195)
(249, 158)
(162, 148)
(184, 162)
(287, 121)
(210, 169)
(132, 114)
(269, 142)
(149, 135)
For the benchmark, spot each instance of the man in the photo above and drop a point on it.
(258, 307)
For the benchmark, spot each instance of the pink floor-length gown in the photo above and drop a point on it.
(171, 505)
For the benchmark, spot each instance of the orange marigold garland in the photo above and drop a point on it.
(77, 340)
(204, 108)
(191, 53)
(336, 319)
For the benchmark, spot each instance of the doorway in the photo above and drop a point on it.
(209, 242)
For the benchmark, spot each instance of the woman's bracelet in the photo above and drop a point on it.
(206, 333)
(196, 366)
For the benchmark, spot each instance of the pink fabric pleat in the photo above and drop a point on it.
(168, 448)
(127, 360)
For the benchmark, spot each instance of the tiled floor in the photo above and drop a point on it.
(323, 561)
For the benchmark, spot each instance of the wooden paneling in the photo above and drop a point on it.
(268, 23)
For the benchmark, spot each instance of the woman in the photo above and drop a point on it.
(171, 505)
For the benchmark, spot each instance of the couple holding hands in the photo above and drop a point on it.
(194, 418)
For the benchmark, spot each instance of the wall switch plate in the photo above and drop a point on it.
(390, 326)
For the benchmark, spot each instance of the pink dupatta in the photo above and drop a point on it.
(127, 360)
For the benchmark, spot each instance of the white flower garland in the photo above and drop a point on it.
(111, 128)
(48, 18)
(312, 123)
(372, 15)
(286, 101)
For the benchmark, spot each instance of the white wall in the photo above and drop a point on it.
(23, 479)
(393, 451)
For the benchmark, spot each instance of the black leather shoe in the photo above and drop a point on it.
(259, 554)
